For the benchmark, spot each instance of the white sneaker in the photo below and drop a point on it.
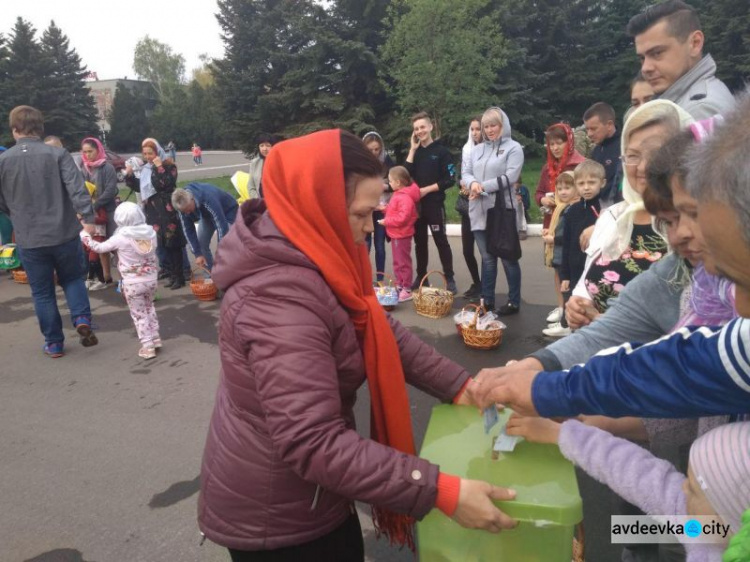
(97, 286)
(556, 331)
(555, 316)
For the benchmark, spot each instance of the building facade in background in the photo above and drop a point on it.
(103, 92)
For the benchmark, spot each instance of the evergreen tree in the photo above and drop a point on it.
(444, 58)
(128, 120)
(726, 25)
(70, 108)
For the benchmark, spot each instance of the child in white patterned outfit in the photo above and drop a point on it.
(135, 243)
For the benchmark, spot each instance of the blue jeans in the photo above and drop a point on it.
(379, 243)
(69, 261)
(206, 231)
(489, 273)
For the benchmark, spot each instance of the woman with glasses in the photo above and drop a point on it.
(624, 242)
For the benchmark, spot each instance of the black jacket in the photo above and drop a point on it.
(432, 164)
(578, 217)
(608, 155)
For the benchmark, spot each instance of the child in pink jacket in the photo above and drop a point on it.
(400, 216)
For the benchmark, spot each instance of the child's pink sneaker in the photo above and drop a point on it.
(404, 295)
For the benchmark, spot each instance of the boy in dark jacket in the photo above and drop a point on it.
(590, 178)
(431, 165)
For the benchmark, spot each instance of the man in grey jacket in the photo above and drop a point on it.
(669, 44)
(41, 189)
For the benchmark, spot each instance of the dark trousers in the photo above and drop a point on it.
(379, 238)
(343, 544)
(174, 259)
(467, 243)
(435, 222)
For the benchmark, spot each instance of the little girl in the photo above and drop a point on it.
(565, 194)
(136, 243)
(717, 481)
(400, 216)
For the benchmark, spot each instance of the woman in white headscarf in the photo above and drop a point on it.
(156, 183)
(624, 242)
(135, 244)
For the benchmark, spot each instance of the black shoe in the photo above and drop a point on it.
(451, 285)
(177, 284)
(508, 309)
(474, 292)
(170, 281)
(163, 275)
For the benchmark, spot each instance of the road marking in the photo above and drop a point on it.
(201, 169)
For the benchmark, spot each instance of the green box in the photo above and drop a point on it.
(547, 504)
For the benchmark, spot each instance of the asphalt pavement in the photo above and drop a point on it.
(101, 450)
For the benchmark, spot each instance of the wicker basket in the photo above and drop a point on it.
(19, 276)
(579, 544)
(387, 295)
(203, 288)
(431, 301)
(475, 338)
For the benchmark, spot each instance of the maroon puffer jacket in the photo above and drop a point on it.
(283, 461)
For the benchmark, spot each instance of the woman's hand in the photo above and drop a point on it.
(157, 162)
(537, 430)
(547, 202)
(585, 238)
(475, 509)
(128, 170)
(564, 286)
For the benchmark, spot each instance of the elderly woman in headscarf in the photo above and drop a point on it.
(300, 332)
(156, 183)
(624, 242)
(103, 175)
(374, 143)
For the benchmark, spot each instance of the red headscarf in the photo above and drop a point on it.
(570, 158)
(303, 186)
(101, 156)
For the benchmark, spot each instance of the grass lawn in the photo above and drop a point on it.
(531, 172)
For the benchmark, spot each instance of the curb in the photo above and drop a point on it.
(455, 230)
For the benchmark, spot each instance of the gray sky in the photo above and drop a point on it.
(104, 33)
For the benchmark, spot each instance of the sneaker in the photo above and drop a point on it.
(97, 286)
(555, 316)
(404, 295)
(147, 352)
(508, 309)
(556, 331)
(156, 342)
(54, 350)
(475, 291)
(88, 283)
(85, 333)
(451, 285)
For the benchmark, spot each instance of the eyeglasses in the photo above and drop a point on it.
(631, 159)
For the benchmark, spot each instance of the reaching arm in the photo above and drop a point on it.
(188, 227)
(703, 372)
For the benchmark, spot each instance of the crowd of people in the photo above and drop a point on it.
(647, 238)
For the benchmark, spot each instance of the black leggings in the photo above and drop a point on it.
(174, 257)
(435, 223)
(343, 544)
(467, 242)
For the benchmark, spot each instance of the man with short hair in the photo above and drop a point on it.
(41, 189)
(430, 164)
(669, 44)
(214, 210)
(599, 120)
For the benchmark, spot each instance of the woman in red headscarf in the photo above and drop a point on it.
(300, 331)
(562, 156)
(103, 175)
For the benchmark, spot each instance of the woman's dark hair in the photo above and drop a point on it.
(655, 202)
(358, 163)
(265, 137)
(557, 133)
(668, 162)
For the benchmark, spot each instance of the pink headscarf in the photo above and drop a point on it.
(101, 155)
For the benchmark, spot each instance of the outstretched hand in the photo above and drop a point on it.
(509, 386)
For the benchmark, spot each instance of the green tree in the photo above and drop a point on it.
(70, 109)
(444, 58)
(128, 120)
(156, 62)
(726, 25)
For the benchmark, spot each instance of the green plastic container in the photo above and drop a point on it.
(547, 504)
